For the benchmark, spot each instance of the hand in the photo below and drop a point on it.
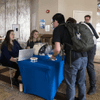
(15, 59)
(54, 58)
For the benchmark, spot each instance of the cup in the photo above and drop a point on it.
(21, 87)
(34, 59)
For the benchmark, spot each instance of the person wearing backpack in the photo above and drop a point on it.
(77, 60)
(91, 54)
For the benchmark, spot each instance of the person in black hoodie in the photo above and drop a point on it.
(91, 54)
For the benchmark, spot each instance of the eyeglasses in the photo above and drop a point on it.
(52, 21)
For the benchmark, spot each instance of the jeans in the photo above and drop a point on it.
(90, 66)
(78, 71)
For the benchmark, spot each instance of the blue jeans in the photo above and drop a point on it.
(90, 66)
(79, 69)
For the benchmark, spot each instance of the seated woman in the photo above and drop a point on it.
(33, 39)
(9, 54)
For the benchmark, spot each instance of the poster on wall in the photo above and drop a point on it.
(16, 28)
(47, 28)
(42, 24)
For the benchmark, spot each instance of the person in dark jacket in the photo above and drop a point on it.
(9, 54)
(91, 54)
(33, 39)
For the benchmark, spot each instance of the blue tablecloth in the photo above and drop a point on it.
(42, 78)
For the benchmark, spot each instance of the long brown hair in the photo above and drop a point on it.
(7, 40)
(31, 38)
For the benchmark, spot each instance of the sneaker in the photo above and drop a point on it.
(76, 98)
(15, 82)
(91, 90)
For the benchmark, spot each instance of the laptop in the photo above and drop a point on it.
(25, 54)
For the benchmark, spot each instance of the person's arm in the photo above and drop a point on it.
(13, 59)
(56, 50)
(5, 52)
(94, 31)
(56, 41)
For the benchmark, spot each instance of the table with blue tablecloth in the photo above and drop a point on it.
(42, 78)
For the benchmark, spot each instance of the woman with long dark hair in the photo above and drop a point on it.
(9, 54)
(34, 38)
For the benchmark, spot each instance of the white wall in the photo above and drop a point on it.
(51, 5)
(24, 18)
(2, 20)
(34, 14)
(67, 6)
(27, 8)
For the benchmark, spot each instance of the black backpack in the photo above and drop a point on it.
(81, 36)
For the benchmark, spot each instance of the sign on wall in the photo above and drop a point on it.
(47, 28)
(16, 28)
(42, 24)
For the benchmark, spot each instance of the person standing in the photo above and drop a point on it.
(91, 54)
(79, 60)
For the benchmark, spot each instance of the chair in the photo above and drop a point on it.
(47, 38)
(11, 74)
